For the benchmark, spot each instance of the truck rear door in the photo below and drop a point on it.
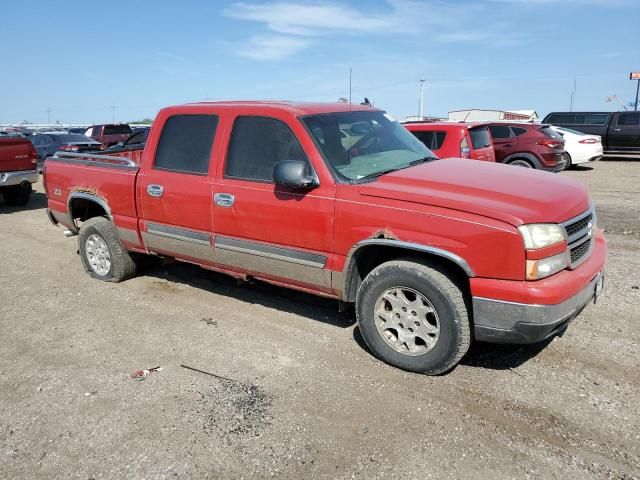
(175, 187)
(624, 132)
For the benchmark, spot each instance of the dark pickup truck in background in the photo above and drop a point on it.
(620, 131)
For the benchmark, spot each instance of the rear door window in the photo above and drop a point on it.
(432, 140)
(256, 145)
(500, 131)
(480, 137)
(517, 131)
(629, 119)
(185, 144)
(568, 118)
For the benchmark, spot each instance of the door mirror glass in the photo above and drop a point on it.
(293, 174)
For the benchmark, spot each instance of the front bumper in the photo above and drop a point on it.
(8, 179)
(509, 322)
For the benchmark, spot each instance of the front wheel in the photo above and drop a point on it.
(413, 316)
(102, 254)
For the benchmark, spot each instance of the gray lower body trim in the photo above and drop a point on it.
(178, 242)
(281, 262)
(8, 179)
(128, 235)
(501, 321)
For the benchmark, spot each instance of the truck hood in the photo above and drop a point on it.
(514, 195)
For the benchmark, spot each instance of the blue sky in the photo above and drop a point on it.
(79, 58)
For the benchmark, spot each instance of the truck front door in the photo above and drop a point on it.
(175, 188)
(261, 229)
(624, 132)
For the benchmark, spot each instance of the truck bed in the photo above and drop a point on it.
(111, 179)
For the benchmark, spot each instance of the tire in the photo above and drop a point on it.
(17, 195)
(102, 254)
(415, 282)
(521, 162)
(567, 159)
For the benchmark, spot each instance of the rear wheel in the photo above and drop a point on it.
(17, 194)
(521, 162)
(567, 159)
(413, 316)
(102, 254)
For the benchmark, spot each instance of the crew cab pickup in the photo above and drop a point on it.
(620, 131)
(17, 169)
(343, 202)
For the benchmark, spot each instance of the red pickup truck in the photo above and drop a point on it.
(17, 169)
(342, 201)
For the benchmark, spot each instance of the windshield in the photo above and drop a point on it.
(73, 137)
(364, 144)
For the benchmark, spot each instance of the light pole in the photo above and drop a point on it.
(421, 103)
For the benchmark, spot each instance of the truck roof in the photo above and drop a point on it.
(447, 125)
(296, 108)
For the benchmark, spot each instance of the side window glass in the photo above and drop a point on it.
(500, 131)
(431, 140)
(185, 144)
(629, 119)
(256, 145)
(517, 131)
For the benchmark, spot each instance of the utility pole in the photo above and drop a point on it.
(637, 91)
(421, 103)
(573, 95)
(48, 115)
(113, 113)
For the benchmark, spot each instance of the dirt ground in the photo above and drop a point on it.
(301, 396)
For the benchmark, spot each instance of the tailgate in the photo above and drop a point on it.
(16, 153)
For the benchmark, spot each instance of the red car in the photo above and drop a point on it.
(529, 145)
(17, 169)
(341, 201)
(109, 134)
(455, 140)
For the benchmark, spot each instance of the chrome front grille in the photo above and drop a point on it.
(580, 232)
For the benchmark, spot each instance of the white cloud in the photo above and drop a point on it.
(272, 47)
(298, 18)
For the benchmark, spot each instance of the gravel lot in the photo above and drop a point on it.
(301, 397)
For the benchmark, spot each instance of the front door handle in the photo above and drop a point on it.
(155, 190)
(224, 199)
(616, 129)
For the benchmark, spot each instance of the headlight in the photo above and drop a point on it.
(540, 235)
(537, 269)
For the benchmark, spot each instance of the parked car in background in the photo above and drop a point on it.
(17, 169)
(78, 130)
(109, 134)
(46, 144)
(528, 145)
(620, 131)
(455, 140)
(579, 147)
(342, 201)
(132, 147)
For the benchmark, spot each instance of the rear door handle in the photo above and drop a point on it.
(155, 190)
(224, 199)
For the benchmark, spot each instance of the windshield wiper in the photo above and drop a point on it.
(422, 160)
(378, 174)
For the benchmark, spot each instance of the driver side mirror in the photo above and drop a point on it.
(293, 174)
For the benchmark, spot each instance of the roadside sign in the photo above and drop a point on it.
(634, 76)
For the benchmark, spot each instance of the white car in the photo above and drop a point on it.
(580, 147)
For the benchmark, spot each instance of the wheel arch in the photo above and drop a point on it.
(525, 156)
(368, 254)
(85, 205)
